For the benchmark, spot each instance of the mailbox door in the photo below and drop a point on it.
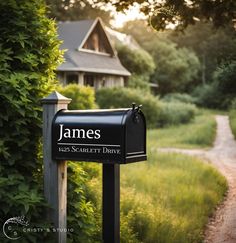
(135, 137)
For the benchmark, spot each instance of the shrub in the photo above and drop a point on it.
(29, 54)
(139, 82)
(208, 95)
(83, 217)
(181, 97)
(124, 97)
(82, 97)
(174, 113)
(157, 113)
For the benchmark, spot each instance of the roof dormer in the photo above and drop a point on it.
(97, 40)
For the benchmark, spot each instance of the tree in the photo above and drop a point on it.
(29, 55)
(143, 34)
(63, 10)
(182, 13)
(140, 63)
(212, 46)
(175, 68)
(137, 61)
(225, 78)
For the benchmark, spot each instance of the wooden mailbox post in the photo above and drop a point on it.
(55, 172)
(111, 137)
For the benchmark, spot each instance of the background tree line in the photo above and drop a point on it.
(198, 60)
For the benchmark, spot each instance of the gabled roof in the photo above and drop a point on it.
(74, 35)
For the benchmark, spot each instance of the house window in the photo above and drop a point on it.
(92, 43)
(97, 41)
(89, 80)
(71, 79)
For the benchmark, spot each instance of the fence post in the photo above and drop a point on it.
(55, 172)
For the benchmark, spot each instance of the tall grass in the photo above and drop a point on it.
(169, 198)
(198, 134)
(232, 119)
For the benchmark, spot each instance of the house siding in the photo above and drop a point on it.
(99, 81)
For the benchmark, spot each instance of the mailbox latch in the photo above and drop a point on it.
(135, 112)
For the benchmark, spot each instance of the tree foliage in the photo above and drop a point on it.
(63, 10)
(137, 61)
(226, 78)
(139, 82)
(29, 54)
(212, 46)
(183, 13)
(175, 68)
(143, 34)
(221, 92)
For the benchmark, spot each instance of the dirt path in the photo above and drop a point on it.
(222, 227)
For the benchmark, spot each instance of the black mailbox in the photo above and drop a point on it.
(107, 136)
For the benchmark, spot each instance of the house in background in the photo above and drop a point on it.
(90, 58)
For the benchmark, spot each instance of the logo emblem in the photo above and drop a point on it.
(12, 228)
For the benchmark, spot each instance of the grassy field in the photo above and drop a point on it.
(198, 134)
(232, 118)
(170, 197)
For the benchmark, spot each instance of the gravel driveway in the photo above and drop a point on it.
(222, 226)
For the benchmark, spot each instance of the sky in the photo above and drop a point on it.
(121, 17)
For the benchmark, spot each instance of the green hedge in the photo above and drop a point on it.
(174, 113)
(158, 113)
(82, 97)
(208, 95)
(124, 97)
(180, 97)
(29, 54)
